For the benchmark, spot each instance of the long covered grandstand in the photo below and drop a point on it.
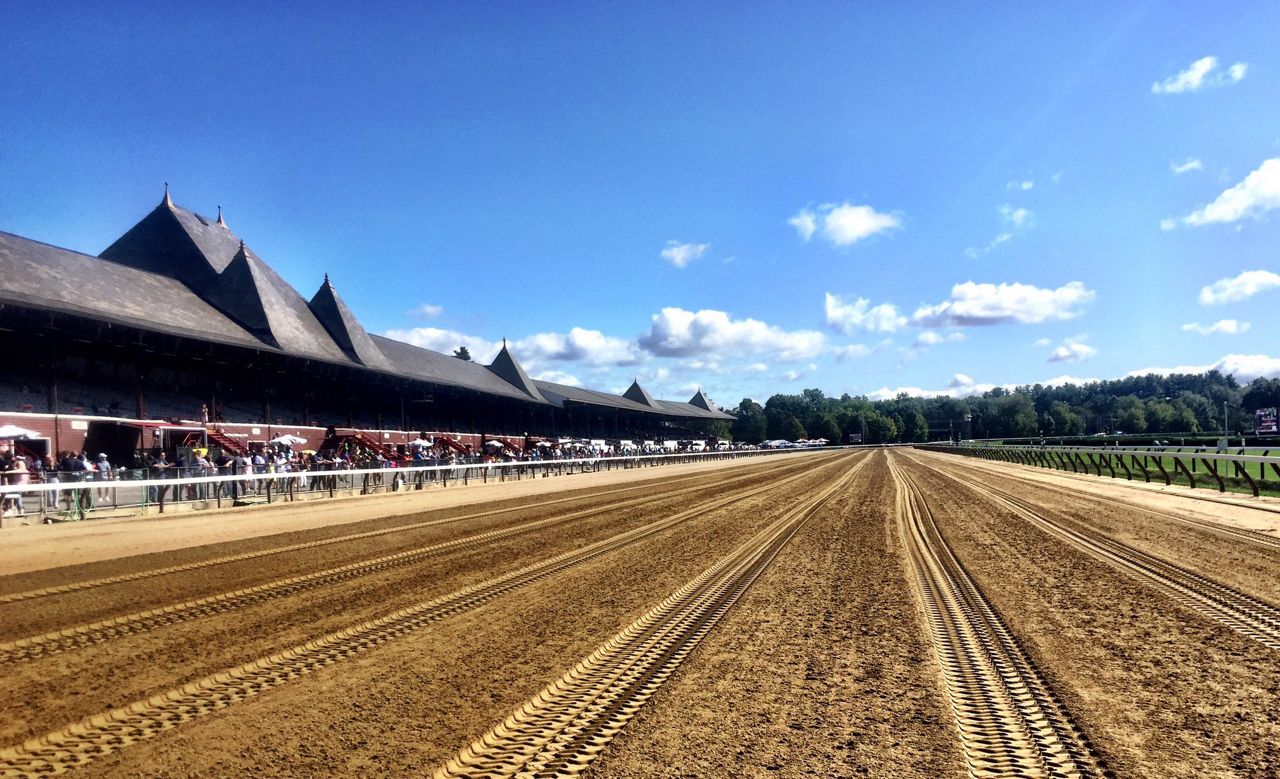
(179, 323)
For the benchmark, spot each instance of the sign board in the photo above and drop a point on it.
(1264, 421)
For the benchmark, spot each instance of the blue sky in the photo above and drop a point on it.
(747, 198)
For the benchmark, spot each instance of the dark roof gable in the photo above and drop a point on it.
(639, 394)
(506, 368)
(344, 328)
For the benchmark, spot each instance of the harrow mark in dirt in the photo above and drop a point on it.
(1243, 613)
(98, 736)
(89, 584)
(1010, 723)
(80, 636)
(562, 729)
(1246, 535)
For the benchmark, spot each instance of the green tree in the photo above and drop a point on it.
(750, 425)
(1261, 393)
(793, 430)
(462, 353)
(1131, 415)
(824, 426)
(880, 429)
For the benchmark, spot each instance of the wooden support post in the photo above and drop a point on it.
(1142, 465)
(1188, 472)
(1212, 468)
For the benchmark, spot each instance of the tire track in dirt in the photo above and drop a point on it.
(1010, 722)
(90, 739)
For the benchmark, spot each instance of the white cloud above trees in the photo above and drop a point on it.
(849, 317)
(675, 332)
(1200, 74)
(681, 254)
(1257, 194)
(1222, 326)
(1237, 288)
(842, 224)
(974, 304)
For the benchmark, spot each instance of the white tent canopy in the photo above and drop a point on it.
(288, 440)
(13, 431)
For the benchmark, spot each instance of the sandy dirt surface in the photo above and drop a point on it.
(1261, 513)
(823, 668)
(1158, 689)
(36, 547)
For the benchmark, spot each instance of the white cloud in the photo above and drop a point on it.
(681, 254)
(676, 332)
(933, 338)
(426, 311)
(843, 224)
(1168, 224)
(850, 352)
(797, 375)
(578, 345)
(1056, 177)
(806, 224)
(988, 304)
(860, 314)
(1223, 326)
(755, 367)
(1233, 290)
(1043, 342)
(558, 377)
(1257, 194)
(446, 341)
(1202, 73)
(960, 387)
(1017, 217)
(1023, 185)
(1245, 367)
(961, 380)
(1072, 352)
(1186, 166)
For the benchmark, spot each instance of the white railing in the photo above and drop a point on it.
(65, 500)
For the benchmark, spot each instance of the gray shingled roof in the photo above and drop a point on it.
(39, 275)
(345, 329)
(505, 367)
(639, 394)
(559, 393)
(437, 368)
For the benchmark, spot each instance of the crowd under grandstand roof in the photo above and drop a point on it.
(182, 274)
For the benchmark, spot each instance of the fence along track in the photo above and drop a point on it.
(1227, 531)
(1243, 613)
(1010, 722)
(80, 636)
(562, 729)
(184, 567)
(98, 736)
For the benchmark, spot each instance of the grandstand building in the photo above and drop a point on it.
(179, 319)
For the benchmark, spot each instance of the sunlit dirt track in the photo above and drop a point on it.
(882, 612)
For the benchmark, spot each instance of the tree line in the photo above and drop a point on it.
(1152, 404)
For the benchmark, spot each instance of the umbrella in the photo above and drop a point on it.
(288, 440)
(13, 431)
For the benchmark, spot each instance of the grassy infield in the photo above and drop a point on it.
(1267, 480)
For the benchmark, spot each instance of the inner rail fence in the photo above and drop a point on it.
(1195, 466)
(75, 495)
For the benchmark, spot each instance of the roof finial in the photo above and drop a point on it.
(168, 201)
(224, 224)
(241, 244)
(326, 278)
(504, 342)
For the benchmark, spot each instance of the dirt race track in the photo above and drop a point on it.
(889, 613)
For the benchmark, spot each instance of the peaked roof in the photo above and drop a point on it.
(250, 292)
(177, 243)
(701, 400)
(506, 368)
(639, 395)
(344, 328)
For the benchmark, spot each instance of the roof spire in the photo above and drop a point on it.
(504, 342)
(220, 220)
(168, 201)
(326, 278)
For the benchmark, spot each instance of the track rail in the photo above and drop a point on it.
(1246, 535)
(1225, 605)
(94, 633)
(1010, 722)
(95, 737)
(562, 729)
(88, 584)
